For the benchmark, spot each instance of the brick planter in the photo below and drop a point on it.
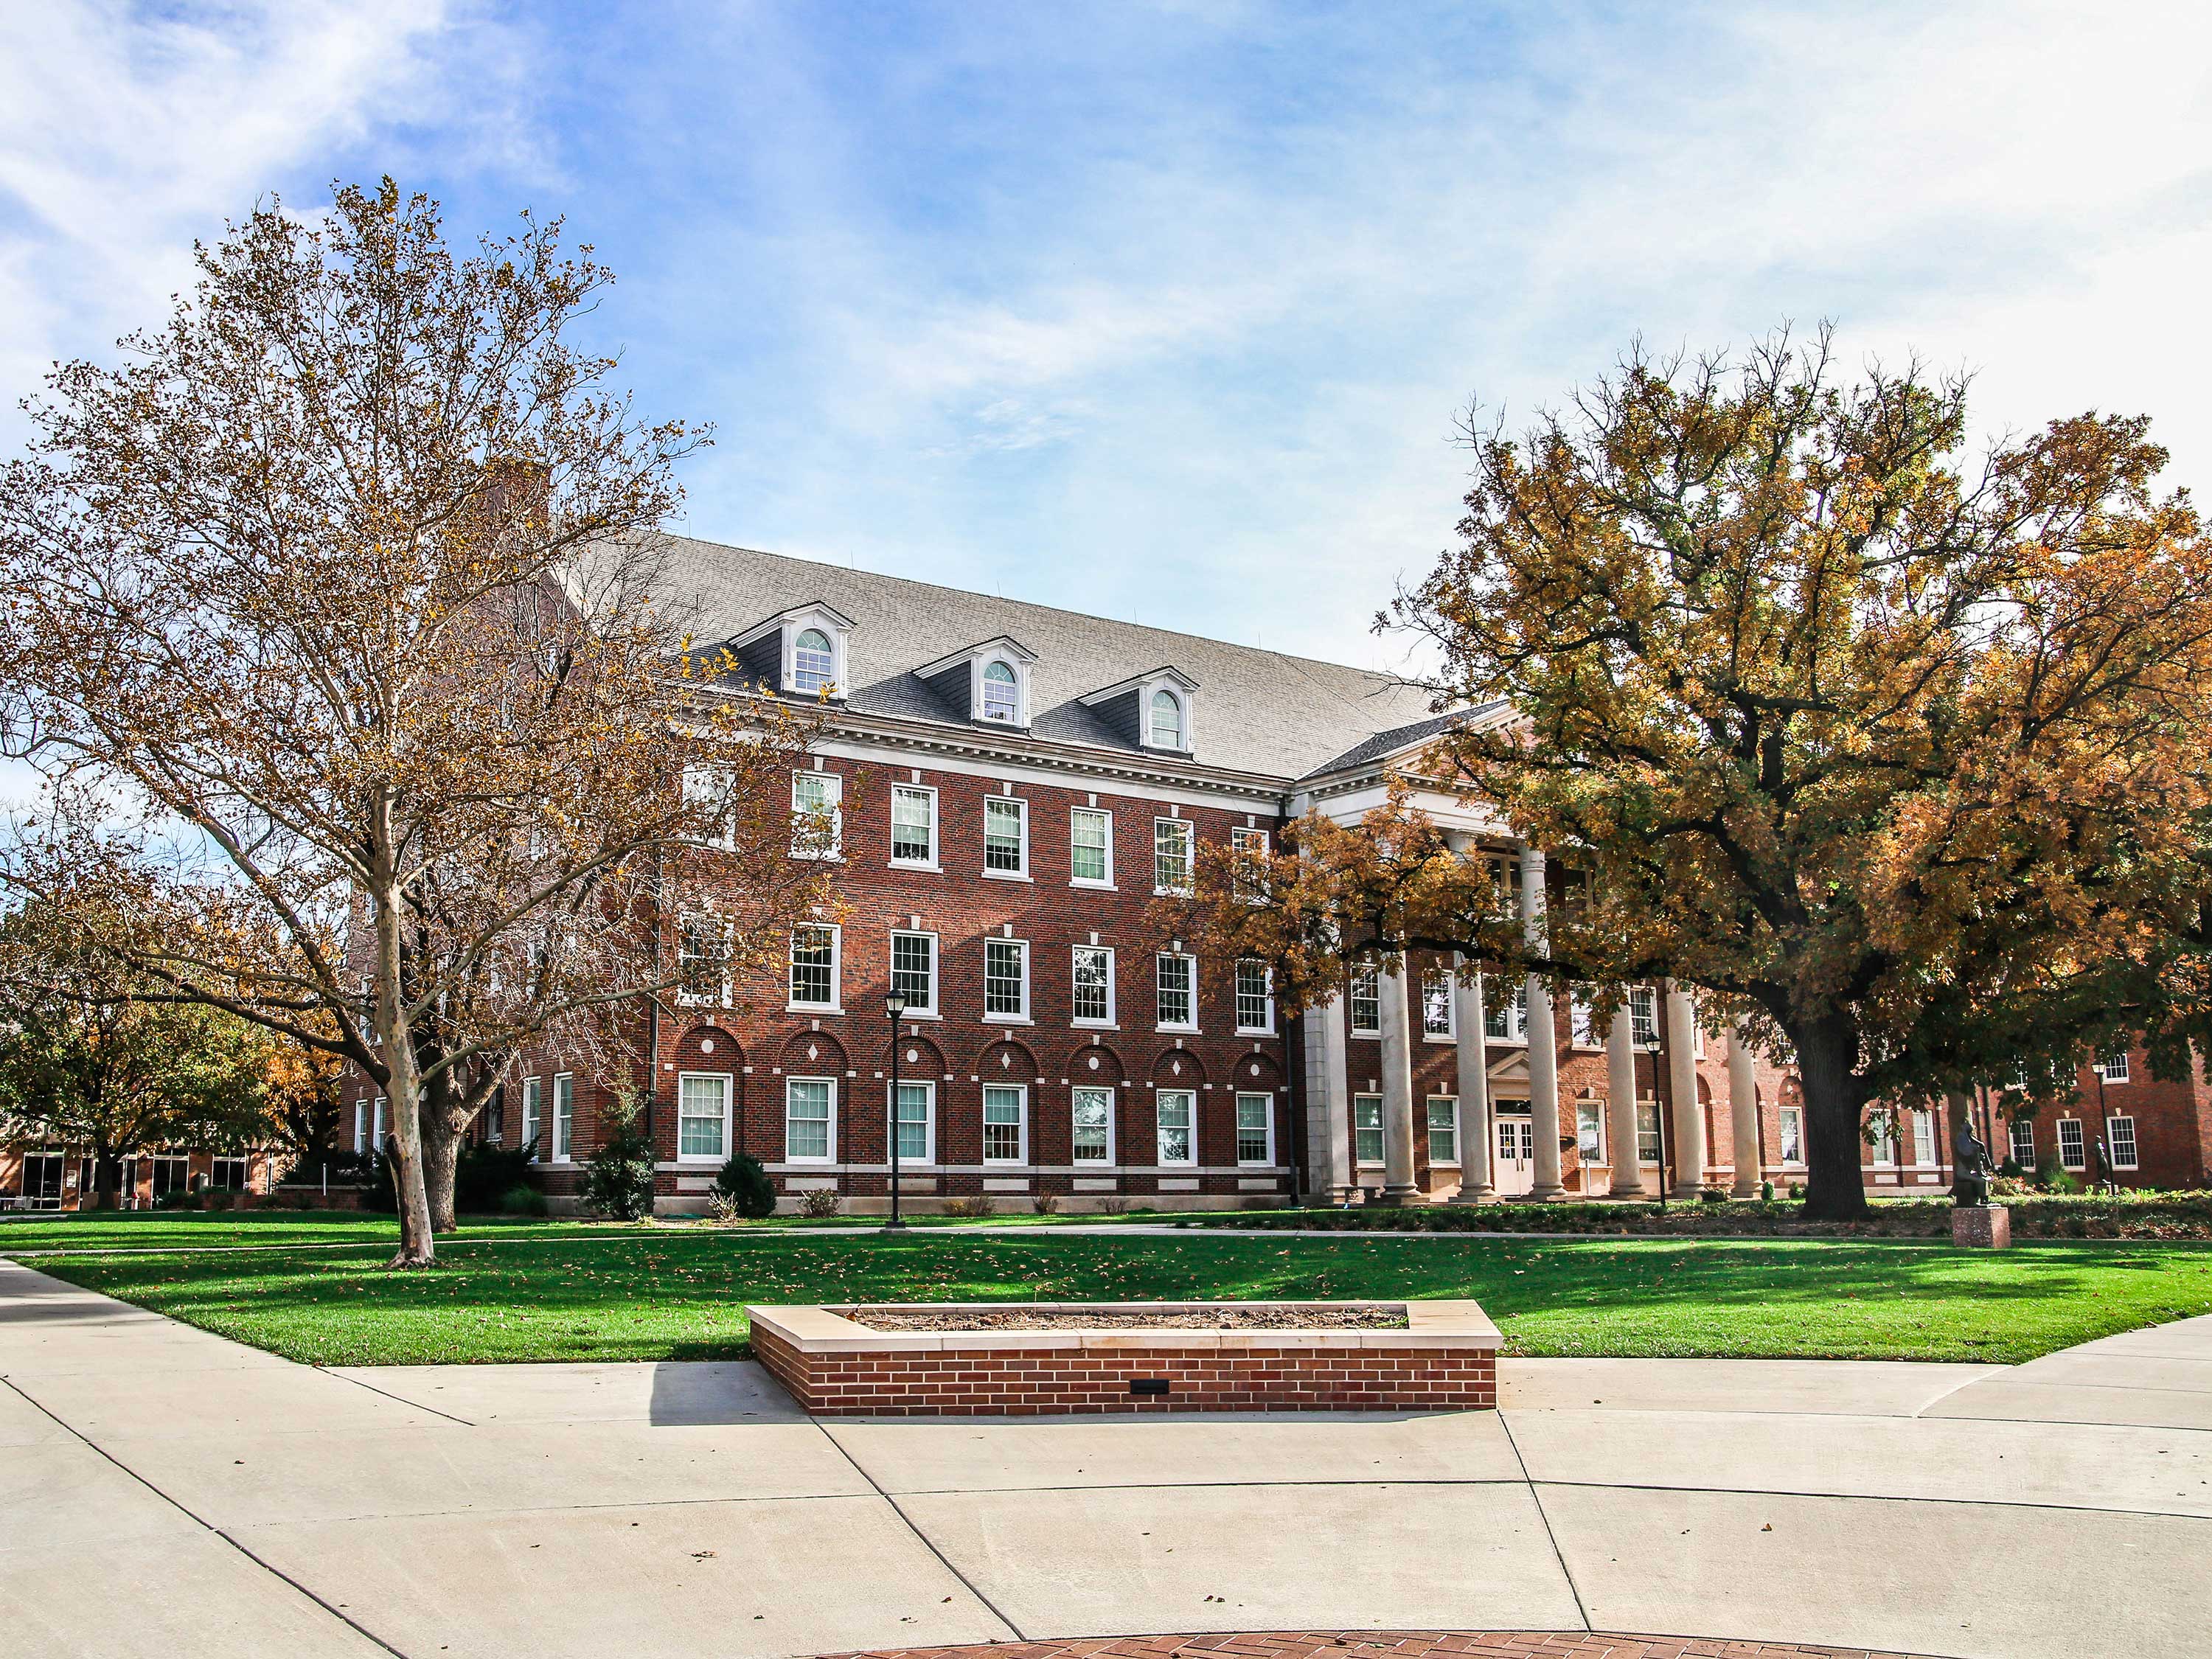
(1444, 1359)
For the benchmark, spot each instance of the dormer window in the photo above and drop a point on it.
(1167, 720)
(988, 683)
(1002, 695)
(813, 662)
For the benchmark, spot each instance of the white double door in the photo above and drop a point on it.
(1517, 1157)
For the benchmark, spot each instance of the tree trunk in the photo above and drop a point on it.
(1835, 1103)
(441, 1156)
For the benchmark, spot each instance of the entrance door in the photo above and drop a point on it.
(42, 1181)
(1517, 1157)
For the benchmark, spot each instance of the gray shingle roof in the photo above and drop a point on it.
(1255, 711)
(1383, 743)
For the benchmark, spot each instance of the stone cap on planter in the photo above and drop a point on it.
(826, 1329)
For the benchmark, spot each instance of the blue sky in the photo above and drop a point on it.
(1164, 311)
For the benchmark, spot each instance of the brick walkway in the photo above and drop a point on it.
(1387, 1645)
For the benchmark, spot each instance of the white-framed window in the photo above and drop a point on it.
(917, 1123)
(1005, 979)
(1589, 1131)
(1005, 1124)
(1923, 1135)
(230, 1174)
(1884, 1128)
(1582, 1020)
(1171, 855)
(1094, 985)
(1367, 1128)
(2021, 1132)
(1090, 847)
(1094, 1125)
(1504, 882)
(818, 815)
(810, 1119)
(702, 1117)
(533, 1116)
(376, 1125)
(1002, 694)
(1648, 1146)
(1256, 1129)
(1444, 1129)
(707, 787)
(814, 965)
(1177, 980)
(913, 825)
(1364, 1006)
(1256, 996)
(1437, 1017)
(1005, 835)
(1644, 1016)
(1176, 1113)
(2120, 1141)
(913, 970)
(1166, 720)
(2073, 1147)
(1505, 1013)
(2113, 1067)
(1247, 848)
(704, 946)
(564, 1117)
(1793, 1134)
(813, 662)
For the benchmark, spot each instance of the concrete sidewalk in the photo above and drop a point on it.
(169, 1492)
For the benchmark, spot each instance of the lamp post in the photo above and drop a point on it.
(1661, 1106)
(895, 1007)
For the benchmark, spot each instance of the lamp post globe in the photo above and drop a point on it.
(895, 1010)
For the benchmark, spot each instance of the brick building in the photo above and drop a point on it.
(1010, 786)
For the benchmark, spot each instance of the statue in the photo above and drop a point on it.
(1972, 1169)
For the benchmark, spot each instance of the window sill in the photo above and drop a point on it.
(1179, 1030)
(919, 1013)
(931, 869)
(1439, 1037)
(1007, 875)
(817, 858)
(1008, 1020)
(1170, 892)
(1094, 1025)
(811, 1008)
(1255, 1030)
(1094, 886)
(1364, 1036)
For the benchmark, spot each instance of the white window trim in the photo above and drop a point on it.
(2111, 1141)
(1580, 1007)
(812, 1163)
(1158, 1025)
(835, 854)
(1351, 1026)
(1021, 1159)
(1924, 1146)
(1112, 990)
(1023, 1018)
(1020, 803)
(1428, 1131)
(700, 783)
(1074, 880)
(1450, 1033)
(1798, 1112)
(564, 1135)
(1160, 1162)
(928, 1157)
(1357, 1100)
(533, 1117)
(835, 1005)
(1236, 1104)
(787, 651)
(1236, 998)
(685, 998)
(2013, 1142)
(936, 967)
(934, 863)
(1113, 1126)
(1241, 838)
(2113, 1068)
(728, 1088)
(1190, 857)
(2080, 1142)
(1604, 1136)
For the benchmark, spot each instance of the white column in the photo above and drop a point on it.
(1398, 1185)
(1328, 1103)
(1476, 1183)
(1743, 1114)
(1543, 1038)
(1688, 1126)
(1620, 1105)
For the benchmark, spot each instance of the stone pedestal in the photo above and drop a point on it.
(1982, 1226)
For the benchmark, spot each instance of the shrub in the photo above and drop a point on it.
(2055, 1177)
(619, 1178)
(720, 1207)
(1766, 1191)
(523, 1199)
(973, 1205)
(484, 1174)
(745, 1184)
(185, 1200)
(1712, 1195)
(1113, 1207)
(819, 1202)
(1047, 1203)
(221, 1198)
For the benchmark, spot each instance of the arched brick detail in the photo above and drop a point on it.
(812, 1054)
(705, 1048)
(1098, 1063)
(1254, 1072)
(709, 1048)
(1008, 1061)
(1179, 1068)
(920, 1060)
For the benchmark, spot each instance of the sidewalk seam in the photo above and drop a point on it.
(1544, 1514)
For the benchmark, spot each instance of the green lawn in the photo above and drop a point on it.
(564, 1293)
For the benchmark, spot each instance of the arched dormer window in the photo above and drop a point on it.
(1167, 720)
(813, 663)
(1001, 694)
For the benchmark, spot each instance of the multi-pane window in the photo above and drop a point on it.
(1177, 1114)
(817, 814)
(1582, 1020)
(1366, 1001)
(1005, 978)
(1444, 1129)
(1167, 720)
(1005, 835)
(707, 791)
(1648, 1146)
(2113, 1067)
(1094, 1125)
(1793, 1135)
(2021, 1131)
(1094, 985)
(1367, 1128)
(914, 825)
(1171, 855)
(229, 1174)
(913, 970)
(1505, 1013)
(703, 946)
(1589, 1131)
(1644, 1016)
(917, 1111)
(1256, 995)
(814, 966)
(1436, 1003)
(1091, 845)
(1002, 694)
(1005, 1107)
(813, 664)
(1882, 1129)
(1923, 1135)
(564, 1118)
(1178, 991)
(1255, 1133)
(1248, 848)
(2120, 1141)
(533, 1116)
(702, 1116)
(809, 1105)
(2072, 1149)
